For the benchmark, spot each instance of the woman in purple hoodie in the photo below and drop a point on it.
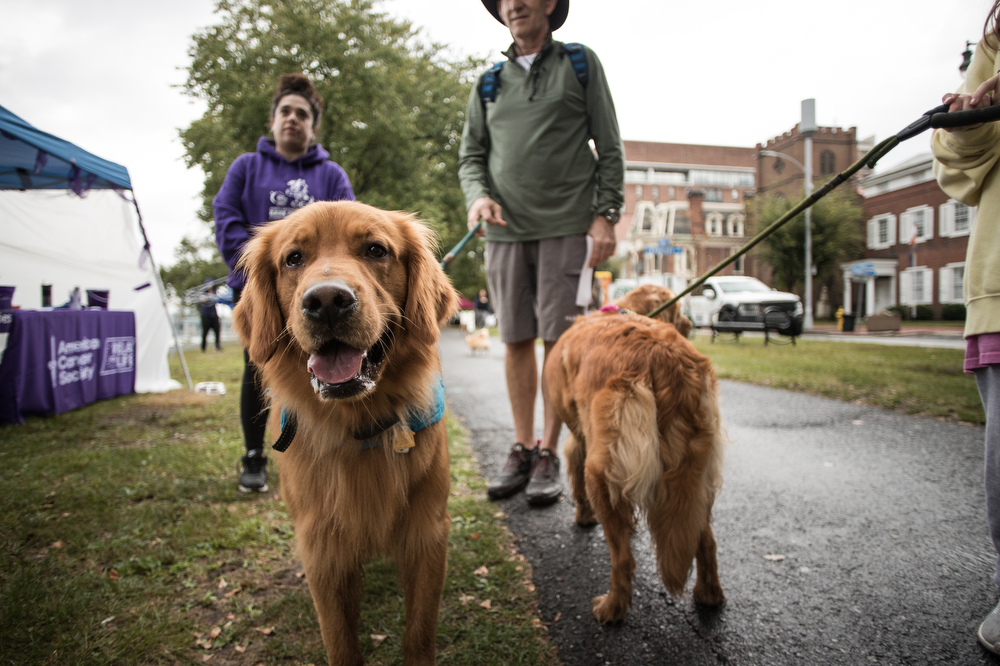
(286, 173)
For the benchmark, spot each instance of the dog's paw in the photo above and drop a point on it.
(607, 610)
(708, 594)
(584, 515)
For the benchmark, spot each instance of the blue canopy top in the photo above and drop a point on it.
(32, 159)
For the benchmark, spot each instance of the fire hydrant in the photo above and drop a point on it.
(840, 319)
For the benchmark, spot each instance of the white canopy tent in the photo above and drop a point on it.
(67, 220)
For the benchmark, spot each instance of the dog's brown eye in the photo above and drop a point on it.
(293, 259)
(377, 251)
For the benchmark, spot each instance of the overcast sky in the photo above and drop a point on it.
(103, 73)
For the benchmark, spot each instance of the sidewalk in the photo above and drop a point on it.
(948, 332)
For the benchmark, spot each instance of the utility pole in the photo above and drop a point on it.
(807, 128)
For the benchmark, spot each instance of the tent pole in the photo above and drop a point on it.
(163, 296)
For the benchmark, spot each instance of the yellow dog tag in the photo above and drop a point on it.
(403, 440)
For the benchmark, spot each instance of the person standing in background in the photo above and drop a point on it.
(287, 172)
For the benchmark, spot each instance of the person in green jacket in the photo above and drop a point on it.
(528, 168)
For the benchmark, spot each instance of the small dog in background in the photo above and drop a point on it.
(479, 340)
(645, 437)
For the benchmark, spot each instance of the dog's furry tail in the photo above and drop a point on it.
(634, 467)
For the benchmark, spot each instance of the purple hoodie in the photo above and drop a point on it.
(264, 186)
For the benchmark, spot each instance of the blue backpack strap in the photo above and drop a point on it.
(490, 84)
(578, 57)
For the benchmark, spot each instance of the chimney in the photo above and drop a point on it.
(695, 199)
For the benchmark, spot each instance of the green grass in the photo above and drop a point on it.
(912, 380)
(124, 541)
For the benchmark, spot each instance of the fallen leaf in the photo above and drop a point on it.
(66, 515)
(499, 514)
(216, 631)
(233, 592)
(486, 604)
(465, 598)
(205, 645)
(227, 624)
(481, 571)
(52, 494)
(558, 615)
(114, 575)
(206, 658)
(528, 584)
(536, 623)
(107, 619)
(474, 536)
(378, 639)
(223, 584)
(57, 544)
(518, 568)
(240, 649)
(267, 631)
(230, 617)
(774, 557)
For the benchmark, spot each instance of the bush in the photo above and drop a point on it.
(953, 312)
(924, 313)
(900, 310)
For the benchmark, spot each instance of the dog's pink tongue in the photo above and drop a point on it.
(338, 367)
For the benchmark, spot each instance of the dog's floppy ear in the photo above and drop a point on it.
(257, 318)
(430, 298)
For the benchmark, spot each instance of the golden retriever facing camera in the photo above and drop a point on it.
(645, 437)
(341, 314)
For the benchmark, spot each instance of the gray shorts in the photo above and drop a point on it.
(533, 286)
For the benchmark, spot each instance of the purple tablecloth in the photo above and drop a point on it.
(60, 360)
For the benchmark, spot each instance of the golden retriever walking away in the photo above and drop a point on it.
(645, 436)
(341, 312)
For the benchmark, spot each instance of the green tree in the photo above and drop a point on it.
(395, 106)
(197, 261)
(836, 237)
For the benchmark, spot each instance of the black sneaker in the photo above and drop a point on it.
(253, 472)
(514, 475)
(544, 486)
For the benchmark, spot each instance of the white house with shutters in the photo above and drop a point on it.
(916, 239)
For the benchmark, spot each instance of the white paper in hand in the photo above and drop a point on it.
(583, 290)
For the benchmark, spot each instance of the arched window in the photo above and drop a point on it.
(713, 224)
(734, 224)
(827, 163)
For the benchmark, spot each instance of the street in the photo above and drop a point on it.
(846, 535)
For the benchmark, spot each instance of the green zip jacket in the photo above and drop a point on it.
(529, 150)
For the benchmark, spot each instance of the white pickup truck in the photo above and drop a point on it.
(733, 304)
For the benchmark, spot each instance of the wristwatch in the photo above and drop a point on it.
(612, 215)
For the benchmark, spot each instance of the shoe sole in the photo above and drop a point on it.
(503, 494)
(989, 647)
(244, 489)
(543, 501)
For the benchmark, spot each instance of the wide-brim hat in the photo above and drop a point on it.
(556, 18)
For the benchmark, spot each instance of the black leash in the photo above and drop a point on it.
(938, 117)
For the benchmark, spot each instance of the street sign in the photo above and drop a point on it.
(866, 269)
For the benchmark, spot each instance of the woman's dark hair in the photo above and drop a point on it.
(991, 28)
(299, 84)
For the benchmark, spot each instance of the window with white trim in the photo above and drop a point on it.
(638, 192)
(656, 192)
(917, 222)
(916, 286)
(644, 218)
(881, 232)
(951, 279)
(955, 219)
(713, 224)
(734, 224)
(738, 264)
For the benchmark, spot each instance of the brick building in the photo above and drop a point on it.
(833, 150)
(684, 209)
(900, 206)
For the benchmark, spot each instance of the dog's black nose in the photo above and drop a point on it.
(328, 301)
